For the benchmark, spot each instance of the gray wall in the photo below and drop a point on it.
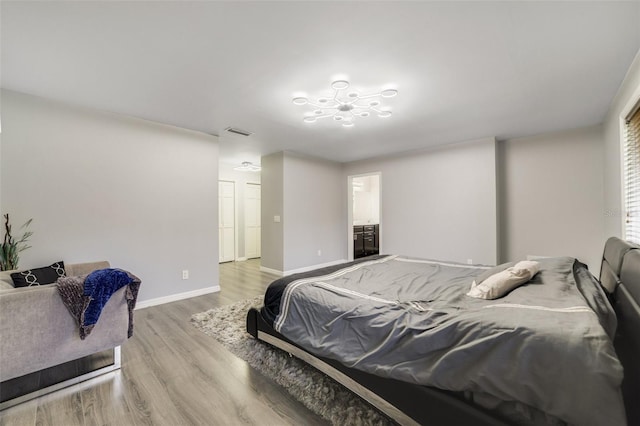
(314, 212)
(100, 186)
(438, 203)
(551, 192)
(627, 96)
(272, 242)
(309, 195)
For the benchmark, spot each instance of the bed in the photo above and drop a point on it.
(403, 334)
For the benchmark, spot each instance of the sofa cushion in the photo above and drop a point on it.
(75, 269)
(39, 276)
(5, 279)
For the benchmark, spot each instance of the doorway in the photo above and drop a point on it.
(364, 215)
(226, 221)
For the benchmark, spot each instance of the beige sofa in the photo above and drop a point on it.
(37, 331)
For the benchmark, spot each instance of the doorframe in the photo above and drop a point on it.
(350, 209)
(235, 219)
(244, 222)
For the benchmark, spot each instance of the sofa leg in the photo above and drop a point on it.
(117, 358)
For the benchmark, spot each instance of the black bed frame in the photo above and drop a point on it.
(621, 269)
(410, 404)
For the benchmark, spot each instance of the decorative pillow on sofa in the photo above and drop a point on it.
(39, 276)
(503, 282)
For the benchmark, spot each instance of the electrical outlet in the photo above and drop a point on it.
(319, 252)
(185, 274)
(470, 261)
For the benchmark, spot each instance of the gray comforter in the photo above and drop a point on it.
(546, 344)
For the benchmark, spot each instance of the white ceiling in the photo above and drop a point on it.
(464, 70)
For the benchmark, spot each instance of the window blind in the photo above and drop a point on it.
(632, 177)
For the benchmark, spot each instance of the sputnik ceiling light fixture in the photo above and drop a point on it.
(345, 105)
(247, 166)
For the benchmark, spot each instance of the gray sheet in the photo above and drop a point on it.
(542, 345)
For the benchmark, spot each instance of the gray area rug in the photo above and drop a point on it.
(315, 390)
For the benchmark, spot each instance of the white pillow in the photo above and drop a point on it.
(503, 282)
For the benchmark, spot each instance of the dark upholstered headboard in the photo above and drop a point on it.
(614, 251)
(620, 275)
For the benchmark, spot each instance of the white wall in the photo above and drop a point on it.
(438, 203)
(100, 186)
(628, 94)
(314, 212)
(309, 196)
(226, 172)
(550, 192)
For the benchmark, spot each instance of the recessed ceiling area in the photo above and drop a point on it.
(463, 70)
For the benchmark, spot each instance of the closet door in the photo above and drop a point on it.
(252, 220)
(226, 218)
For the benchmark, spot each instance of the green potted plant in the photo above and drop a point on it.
(11, 248)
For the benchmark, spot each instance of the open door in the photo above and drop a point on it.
(364, 215)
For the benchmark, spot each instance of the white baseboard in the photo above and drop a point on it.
(241, 259)
(303, 269)
(176, 297)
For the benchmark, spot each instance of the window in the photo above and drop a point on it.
(631, 172)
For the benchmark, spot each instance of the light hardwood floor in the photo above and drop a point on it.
(173, 374)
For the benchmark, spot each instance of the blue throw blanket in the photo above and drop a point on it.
(86, 296)
(99, 286)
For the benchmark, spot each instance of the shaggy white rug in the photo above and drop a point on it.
(315, 390)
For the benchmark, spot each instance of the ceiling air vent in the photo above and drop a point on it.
(238, 131)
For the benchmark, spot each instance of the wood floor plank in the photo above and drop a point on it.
(103, 401)
(148, 399)
(21, 415)
(61, 408)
